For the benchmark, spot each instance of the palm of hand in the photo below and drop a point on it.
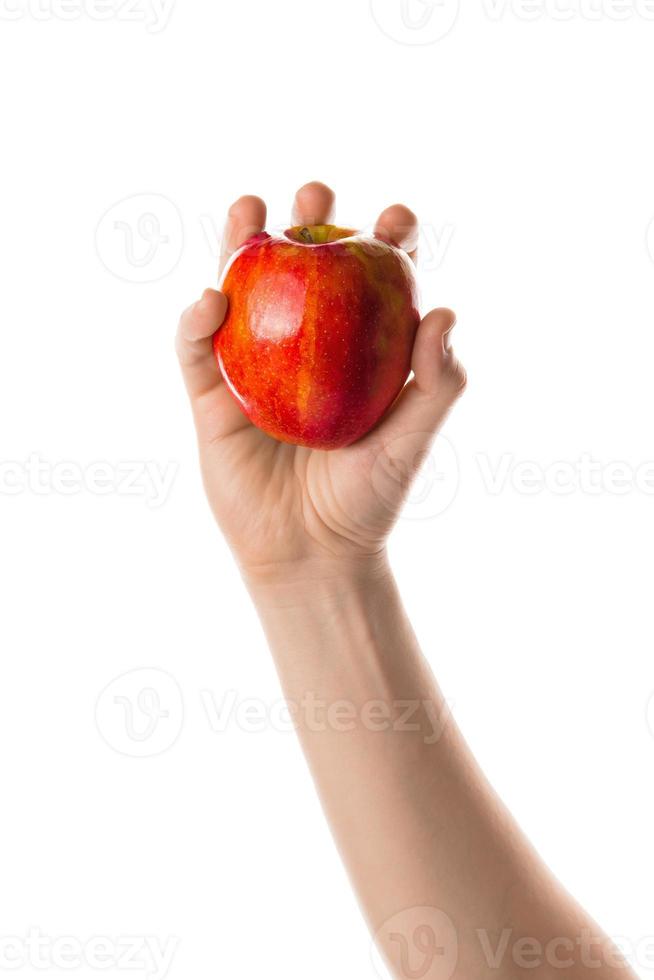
(279, 503)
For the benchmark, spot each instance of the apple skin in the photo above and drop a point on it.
(317, 340)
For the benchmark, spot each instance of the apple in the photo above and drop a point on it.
(317, 340)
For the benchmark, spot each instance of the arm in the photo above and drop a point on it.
(448, 883)
(446, 880)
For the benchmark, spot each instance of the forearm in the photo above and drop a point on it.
(415, 820)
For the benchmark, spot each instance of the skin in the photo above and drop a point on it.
(448, 883)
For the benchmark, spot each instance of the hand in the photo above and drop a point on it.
(289, 512)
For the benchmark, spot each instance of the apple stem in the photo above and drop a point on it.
(306, 236)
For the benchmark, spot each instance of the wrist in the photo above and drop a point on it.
(314, 580)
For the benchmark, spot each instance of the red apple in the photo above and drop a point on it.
(317, 341)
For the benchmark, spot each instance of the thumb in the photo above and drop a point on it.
(402, 440)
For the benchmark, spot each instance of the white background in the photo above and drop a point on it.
(523, 139)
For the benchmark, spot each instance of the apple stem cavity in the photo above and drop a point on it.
(306, 236)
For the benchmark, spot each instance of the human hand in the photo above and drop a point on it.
(288, 512)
